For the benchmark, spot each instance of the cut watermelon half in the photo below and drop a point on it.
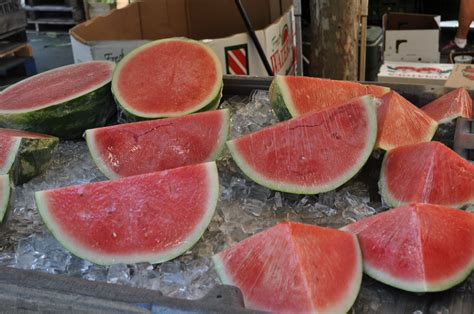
(294, 268)
(455, 104)
(63, 102)
(25, 155)
(418, 247)
(310, 154)
(426, 173)
(147, 218)
(4, 195)
(293, 96)
(401, 123)
(179, 75)
(149, 146)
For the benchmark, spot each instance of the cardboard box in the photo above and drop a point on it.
(411, 37)
(12, 16)
(216, 22)
(414, 73)
(461, 76)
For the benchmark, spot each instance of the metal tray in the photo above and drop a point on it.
(23, 290)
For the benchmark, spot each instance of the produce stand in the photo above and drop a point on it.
(27, 290)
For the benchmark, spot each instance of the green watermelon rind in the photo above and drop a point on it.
(391, 200)
(419, 286)
(67, 118)
(221, 271)
(29, 157)
(111, 174)
(6, 196)
(280, 98)
(319, 188)
(131, 114)
(101, 259)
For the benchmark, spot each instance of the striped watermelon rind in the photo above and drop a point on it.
(131, 114)
(101, 259)
(28, 157)
(111, 174)
(5, 195)
(331, 184)
(281, 100)
(67, 118)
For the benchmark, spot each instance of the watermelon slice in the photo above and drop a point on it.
(418, 247)
(152, 217)
(310, 154)
(4, 195)
(180, 76)
(455, 104)
(402, 123)
(63, 102)
(294, 268)
(426, 173)
(24, 154)
(292, 96)
(149, 146)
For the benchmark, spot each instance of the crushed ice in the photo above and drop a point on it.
(245, 208)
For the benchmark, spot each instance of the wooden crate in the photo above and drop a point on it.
(12, 16)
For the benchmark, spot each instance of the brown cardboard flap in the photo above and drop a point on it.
(119, 24)
(197, 19)
(406, 21)
(221, 18)
(163, 18)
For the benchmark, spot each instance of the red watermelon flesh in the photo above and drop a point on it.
(56, 86)
(455, 104)
(399, 123)
(4, 195)
(426, 173)
(294, 268)
(154, 145)
(314, 153)
(417, 247)
(179, 76)
(306, 94)
(147, 218)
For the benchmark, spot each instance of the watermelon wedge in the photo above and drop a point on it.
(147, 218)
(154, 145)
(63, 102)
(402, 123)
(426, 173)
(4, 195)
(24, 155)
(294, 268)
(455, 104)
(180, 76)
(311, 154)
(418, 247)
(293, 96)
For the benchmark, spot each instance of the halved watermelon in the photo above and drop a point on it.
(293, 96)
(24, 154)
(4, 195)
(455, 104)
(63, 102)
(168, 78)
(311, 154)
(426, 173)
(401, 123)
(147, 218)
(418, 247)
(149, 146)
(294, 268)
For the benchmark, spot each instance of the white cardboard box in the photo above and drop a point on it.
(414, 73)
(112, 36)
(411, 37)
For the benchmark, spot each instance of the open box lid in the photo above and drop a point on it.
(409, 21)
(197, 19)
